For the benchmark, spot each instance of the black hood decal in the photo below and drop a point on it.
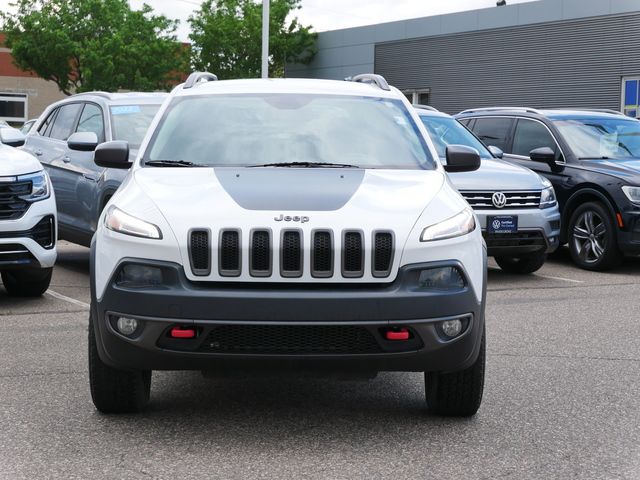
(290, 189)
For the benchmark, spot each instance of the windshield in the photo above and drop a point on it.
(263, 129)
(445, 131)
(130, 122)
(601, 137)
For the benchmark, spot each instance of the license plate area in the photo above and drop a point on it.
(502, 224)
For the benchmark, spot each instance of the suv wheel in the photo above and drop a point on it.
(30, 282)
(114, 390)
(522, 265)
(456, 394)
(592, 237)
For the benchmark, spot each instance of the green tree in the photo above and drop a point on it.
(226, 38)
(84, 45)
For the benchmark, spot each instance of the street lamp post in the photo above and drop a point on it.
(265, 38)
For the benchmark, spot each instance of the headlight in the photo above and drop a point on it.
(460, 224)
(548, 198)
(40, 188)
(632, 193)
(121, 222)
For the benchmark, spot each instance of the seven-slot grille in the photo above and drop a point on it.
(12, 205)
(291, 259)
(484, 199)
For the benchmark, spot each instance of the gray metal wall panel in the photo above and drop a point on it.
(576, 63)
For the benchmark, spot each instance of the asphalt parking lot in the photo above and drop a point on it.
(561, 398)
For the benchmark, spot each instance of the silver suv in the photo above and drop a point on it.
(517, 208)
(63, 139)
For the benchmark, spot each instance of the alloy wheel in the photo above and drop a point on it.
(590, 236)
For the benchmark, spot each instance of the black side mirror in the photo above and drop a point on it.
(495, 151)
(545, 155)
(113, 155)
(461, 158)
(83, 141)
(12, 137)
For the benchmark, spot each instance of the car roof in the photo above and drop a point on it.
(122, 97)
(551, 113)
(288, 85)
(426, 111)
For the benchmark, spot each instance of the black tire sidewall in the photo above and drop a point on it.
(611, 256)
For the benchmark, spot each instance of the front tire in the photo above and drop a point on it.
(30, 282)
(522, 265)
(114, 390)
(592, 238)
(457, 394)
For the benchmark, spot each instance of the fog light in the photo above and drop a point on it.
(139, 276)
(127, 326)
(442, 278)
(452, 328)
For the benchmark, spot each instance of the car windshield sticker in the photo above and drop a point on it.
(125, 109)
(608, 145)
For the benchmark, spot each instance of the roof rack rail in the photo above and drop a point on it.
(599, 110)
(370, 78)
(497, 109)
(425, 107)
(197, 77)
(97, 94)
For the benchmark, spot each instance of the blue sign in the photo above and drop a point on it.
(125, 109)
(502, 224)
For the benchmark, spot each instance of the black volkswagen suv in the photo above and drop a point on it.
(592, 158)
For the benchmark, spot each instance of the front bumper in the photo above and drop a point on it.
(23, 242)
(538, 232)
(365, 311)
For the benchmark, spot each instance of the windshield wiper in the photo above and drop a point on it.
(306, 165)
(594, 158)
(172, 163)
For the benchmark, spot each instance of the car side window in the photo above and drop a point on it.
(530, 135)
(92, 120)
(45, 128)
(65, 121)
(493, 131)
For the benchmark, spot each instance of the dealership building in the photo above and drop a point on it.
(23, 95)
(546, 53)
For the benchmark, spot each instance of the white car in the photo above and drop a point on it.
(287, 224)
(27, 220)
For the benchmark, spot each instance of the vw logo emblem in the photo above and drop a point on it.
(499, 199)
(496, 224)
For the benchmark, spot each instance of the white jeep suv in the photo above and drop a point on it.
(287, 224)
(27, 220)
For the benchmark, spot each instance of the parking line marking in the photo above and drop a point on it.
(59, 296)
(560, 278)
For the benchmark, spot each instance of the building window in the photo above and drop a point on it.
(631, 96)
(417, 96)
(13, 107)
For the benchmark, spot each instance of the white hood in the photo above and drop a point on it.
(15, 162)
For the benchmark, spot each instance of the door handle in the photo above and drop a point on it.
(38, 153)
(66, 159)
(90, 177)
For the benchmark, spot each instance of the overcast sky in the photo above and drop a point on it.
(335, 14)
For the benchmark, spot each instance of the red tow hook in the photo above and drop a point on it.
(182, 332)
(397, 334)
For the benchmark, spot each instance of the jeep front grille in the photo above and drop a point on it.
(260, 253)
(481, 200)
(229, 256)
(12, 205)
(200, 252)
(291, 253)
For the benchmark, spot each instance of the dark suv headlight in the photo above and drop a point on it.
(632, 193)
(40, 186)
